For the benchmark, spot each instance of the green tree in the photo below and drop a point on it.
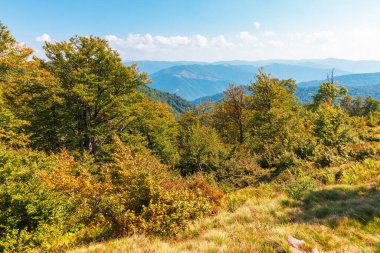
(93, 92)
(275, 120)
(230, 116)
(15, 69)
(371, 105)
(371, 109)
(328, 93)
(334, 133)
(201, 150)
(153, 126)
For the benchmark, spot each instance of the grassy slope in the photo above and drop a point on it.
(333, 218)
(348, 222)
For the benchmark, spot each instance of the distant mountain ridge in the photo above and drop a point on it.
(192, 80)
(151, 67)
(195, 81)
(349, 66)
(362, 79)
(357, 84)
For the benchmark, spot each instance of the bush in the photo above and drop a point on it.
(328, 157)
(360, 172)
(202, 150)
(362, 151)
(54, 202)
(298, 183)
(298, 188)
(29, 212)
(240, 171)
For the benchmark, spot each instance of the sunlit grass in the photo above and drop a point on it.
(263, 224)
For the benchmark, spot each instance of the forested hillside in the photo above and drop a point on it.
(176, 103)
(89, 154)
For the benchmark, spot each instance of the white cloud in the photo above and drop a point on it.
(276, 43)
(144, 41)
(174, 41)
(269, 34)
(321, 37)
(356, 43)
(247, 37)
(200, 40)
(220, 41)
(148, 46)
(43, 38)
(257, 24)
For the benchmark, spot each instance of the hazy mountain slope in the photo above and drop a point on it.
(194, 81)
(349, 80)
(298, 72)
(347, 66)
(153, 66)
(303, 93)
(363, 66)
(369, 90)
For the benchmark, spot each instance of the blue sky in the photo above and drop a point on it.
(205, 30)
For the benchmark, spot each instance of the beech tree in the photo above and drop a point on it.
(274, 123)
(15, 69)
(231, 114)
(95, 86)
(328, 93)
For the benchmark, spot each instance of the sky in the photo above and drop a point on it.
(204, 30)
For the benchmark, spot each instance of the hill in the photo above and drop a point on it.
(195, 81)
(177, 104)
(330, 218)
(303, 93)
(153, 66)
(367, 84)
(352, 80)
(364, 91)
(362, 66)
(347, 66)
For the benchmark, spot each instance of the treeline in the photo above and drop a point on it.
(85, 156)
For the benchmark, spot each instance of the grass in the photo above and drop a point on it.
(342, 215)
(338, 218)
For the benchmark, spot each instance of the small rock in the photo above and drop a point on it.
(296, 245)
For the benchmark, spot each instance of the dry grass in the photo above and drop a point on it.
(324, 220)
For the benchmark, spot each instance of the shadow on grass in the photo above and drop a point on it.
(330, 206)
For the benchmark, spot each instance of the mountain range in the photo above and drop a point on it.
(196, 81)
(364, 85)
(350, 66)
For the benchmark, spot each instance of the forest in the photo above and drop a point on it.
(89, 153)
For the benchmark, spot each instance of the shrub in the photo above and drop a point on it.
(240, 171)
(54, 202)
(360, 172)
(202, 150)
(362, 151)
(135, 193)
(299, 183)
(328, 157)
(29, 212)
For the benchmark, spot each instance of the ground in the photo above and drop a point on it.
(339, 218)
